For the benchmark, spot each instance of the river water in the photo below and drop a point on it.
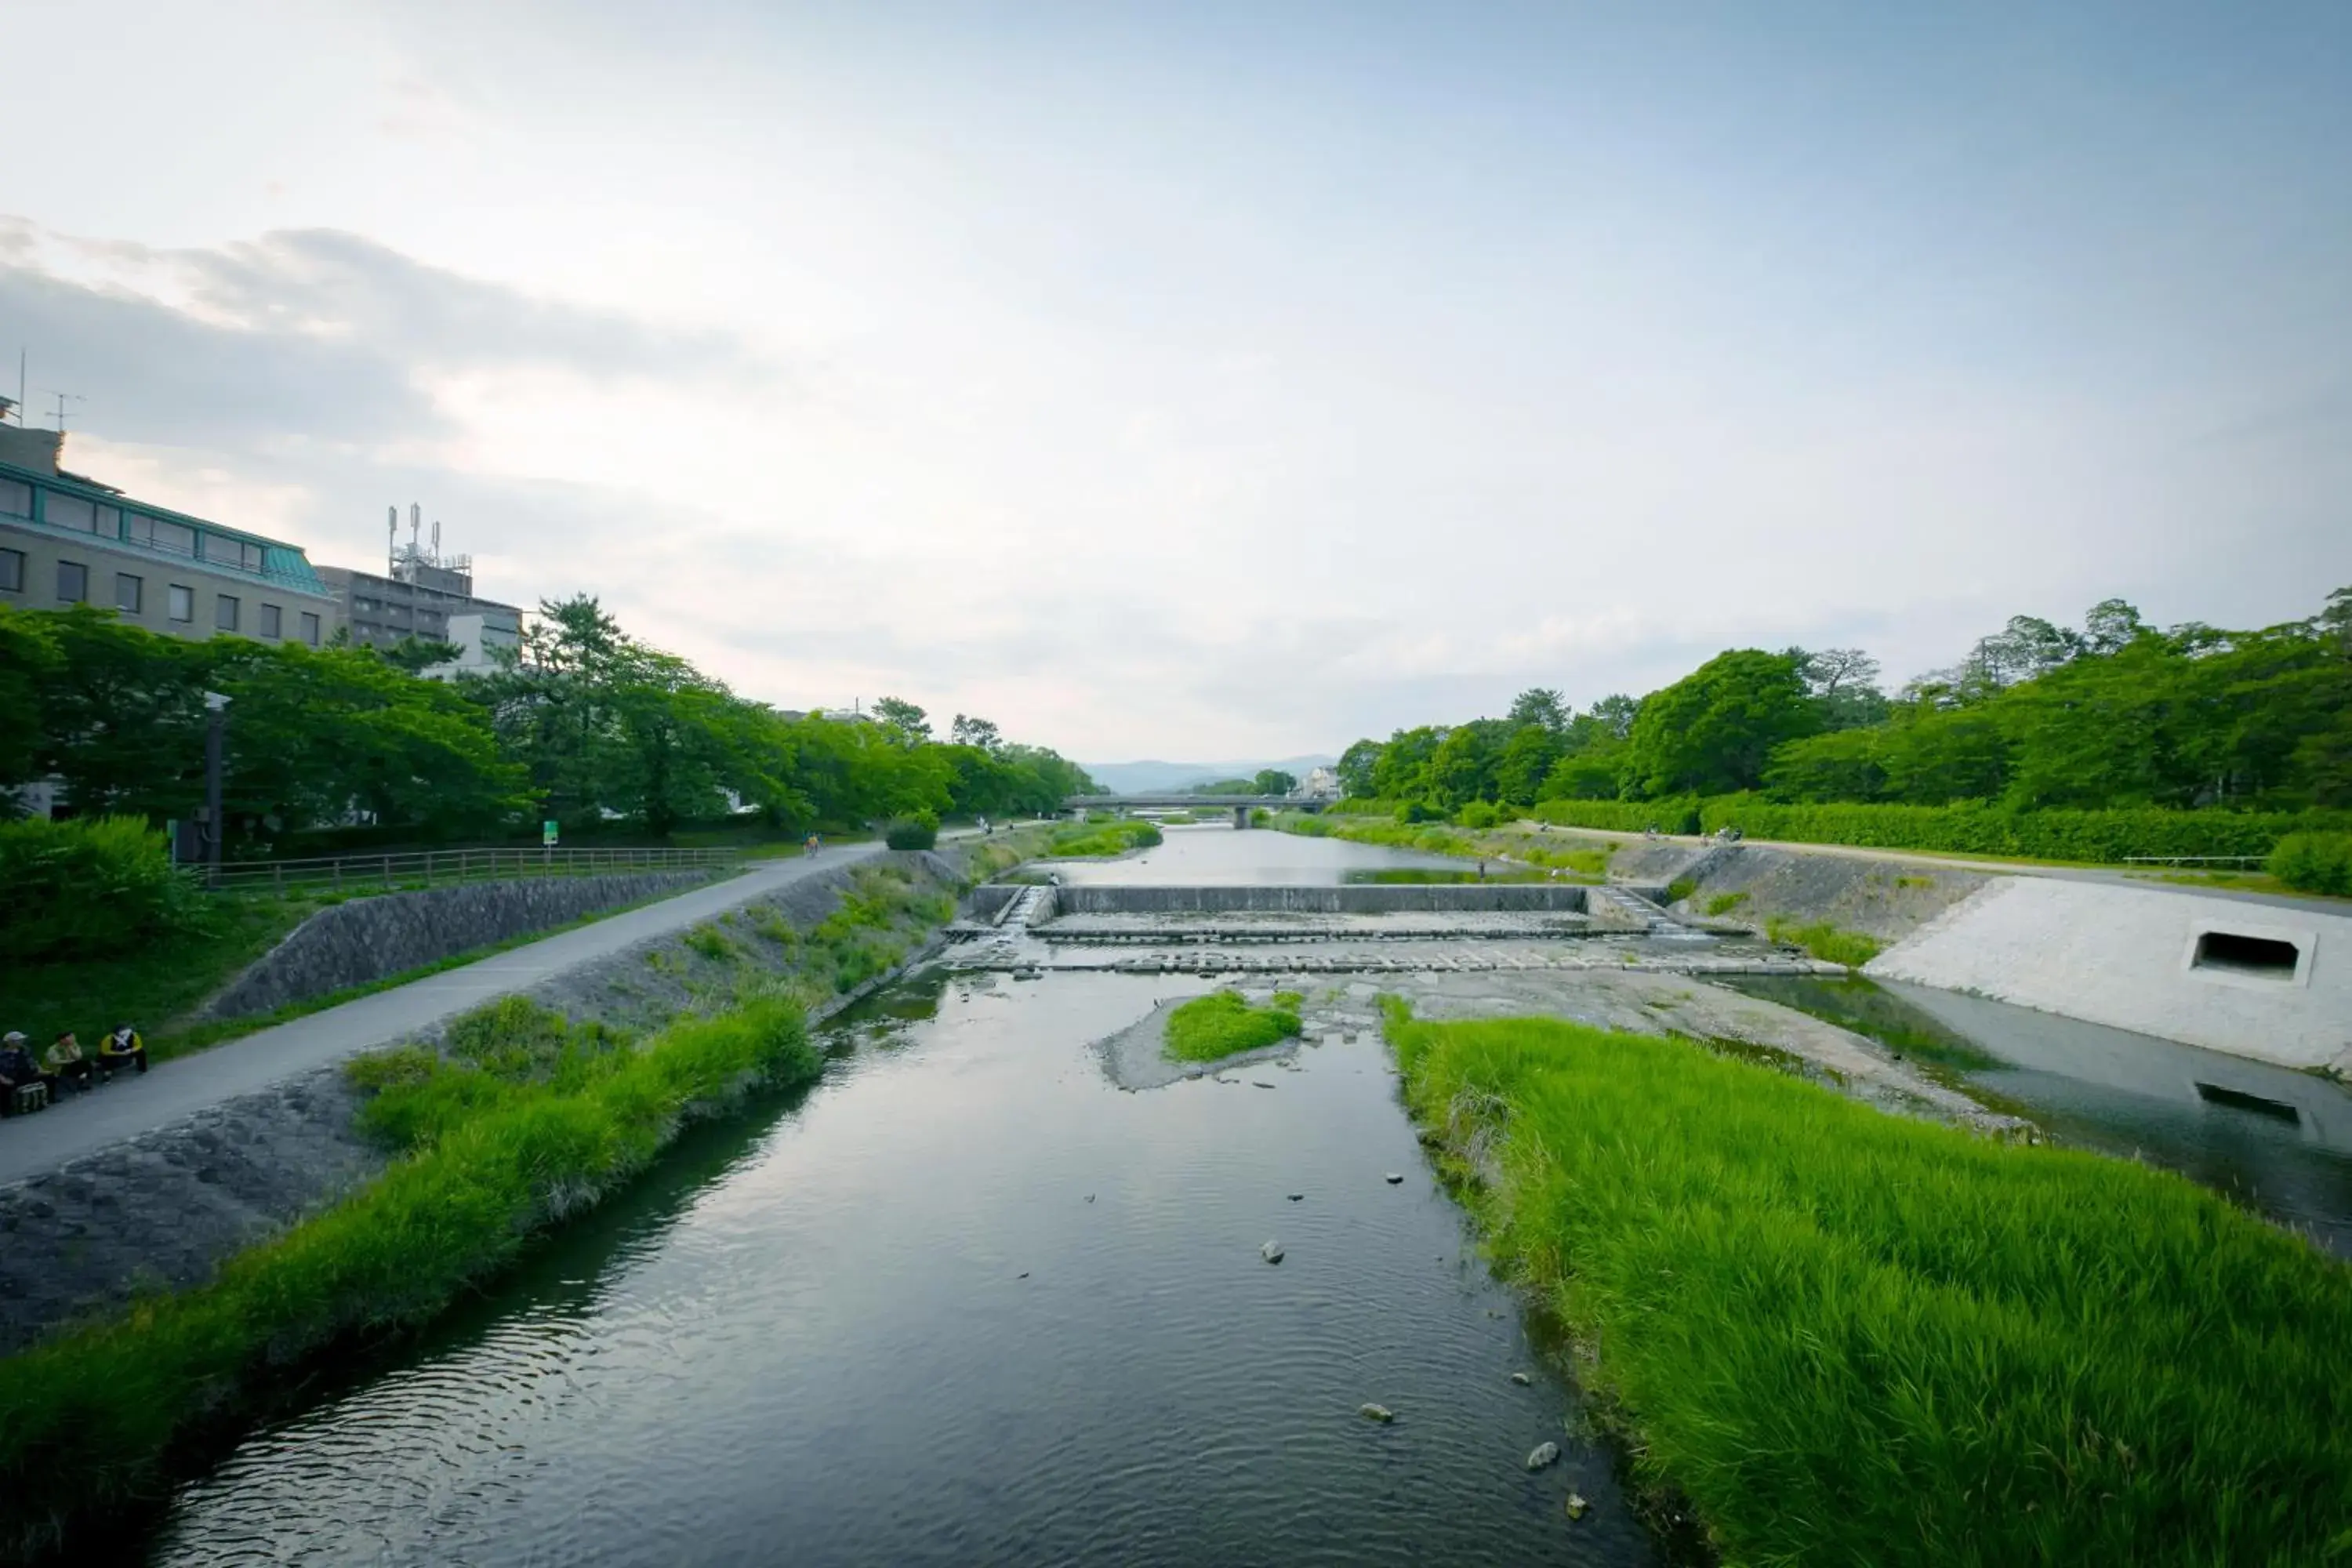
(966, 1301)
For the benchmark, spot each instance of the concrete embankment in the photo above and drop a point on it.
(165, 1208)
(2271, 983)
(368, 939)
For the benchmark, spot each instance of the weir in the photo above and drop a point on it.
(1434, 898)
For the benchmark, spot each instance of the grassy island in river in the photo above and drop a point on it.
(1210, 1028)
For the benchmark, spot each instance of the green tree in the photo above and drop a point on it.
(1355, 768)
(1712, 731)
(1527, 762)
(907, 724)
(1273, 781)
(970, 729)
(1540, 705)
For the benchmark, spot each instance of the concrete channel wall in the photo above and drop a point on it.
(2263, 981)
(1433, 897)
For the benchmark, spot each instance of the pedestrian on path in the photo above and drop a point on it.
(18, 1070)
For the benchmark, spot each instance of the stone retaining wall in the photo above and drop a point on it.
(369, 939)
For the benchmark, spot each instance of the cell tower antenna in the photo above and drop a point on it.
(390, 538)
(20, 388)
(436, 540)
(415, 522)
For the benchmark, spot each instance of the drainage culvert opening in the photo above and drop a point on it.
(2241, 955)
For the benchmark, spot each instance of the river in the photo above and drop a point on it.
(966, 1301)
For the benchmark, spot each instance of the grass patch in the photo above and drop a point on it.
(157, 986)
(1220, 1024)
(524, 1120)
(1101, 840)
(1724, 903)
(1825, 941)
(711, 942)
(1681, 887)
(1851, 1338)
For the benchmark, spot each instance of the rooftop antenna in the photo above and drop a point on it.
(20, 388)
(63, 398)
(390, 538)
(436, 539)
(415, 522)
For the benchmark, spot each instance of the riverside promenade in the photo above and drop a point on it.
(170, 1090)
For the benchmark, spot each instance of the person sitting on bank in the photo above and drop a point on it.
(123, 1045)
(17, 1070)
(65, 1062)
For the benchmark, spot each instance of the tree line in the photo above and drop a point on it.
(2119, 713)
(590, 726)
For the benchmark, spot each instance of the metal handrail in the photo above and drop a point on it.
(435, 867)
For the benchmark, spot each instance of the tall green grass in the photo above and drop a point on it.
(1827, 942)
(1854, 1339)
(1210, 1028)
(524, 1119)
(1104, 838)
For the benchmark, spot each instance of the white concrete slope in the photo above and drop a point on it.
(2269, 982)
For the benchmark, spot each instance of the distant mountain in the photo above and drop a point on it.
(1133, 778)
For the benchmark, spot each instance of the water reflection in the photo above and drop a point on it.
(1205, 856)
(973, 1304)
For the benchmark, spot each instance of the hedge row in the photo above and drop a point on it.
(1977, 829)
(1968, 828)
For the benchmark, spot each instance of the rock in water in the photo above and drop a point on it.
(1298, 1197)
(1271, 1252)
(1576, 1505)
(1545, 1453)
(1394, 1179)
(1522, 1379)
(1380, 1412)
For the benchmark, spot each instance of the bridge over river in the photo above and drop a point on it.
(1169, 800)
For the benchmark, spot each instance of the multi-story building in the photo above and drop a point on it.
(425, 594)
(66, 539)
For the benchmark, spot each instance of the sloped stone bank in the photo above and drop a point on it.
(370, 939)
(164, 1210)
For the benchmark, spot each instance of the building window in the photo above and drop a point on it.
(225, 613)
(12, 571)
(110, 523)
(155, 533)
(73, 582)
(16, 499)
(128, 593)
(270, 620)
(62, 511)
(309, 623)
(226, 552)
(182, 603)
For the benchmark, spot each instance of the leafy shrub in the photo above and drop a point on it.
(95, 888)
(1724, 903)
(1478, 814)
(1414, 811)
(1108, 838)
(1681, 887)
(920, 831)
(711, 942)
(2315, 862)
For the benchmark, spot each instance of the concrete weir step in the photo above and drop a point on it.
(1380, 899)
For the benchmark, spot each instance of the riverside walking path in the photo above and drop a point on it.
(170, 1090)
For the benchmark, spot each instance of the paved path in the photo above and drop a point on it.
(83, 1124)
(2150, 879)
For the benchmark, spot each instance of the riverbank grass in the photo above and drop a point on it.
(1097, 840)
(524, 1118)
(1222, 1024)
(1847, 1337)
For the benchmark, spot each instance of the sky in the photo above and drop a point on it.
(1217, 380)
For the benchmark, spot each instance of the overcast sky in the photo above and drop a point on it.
(1207, 381)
